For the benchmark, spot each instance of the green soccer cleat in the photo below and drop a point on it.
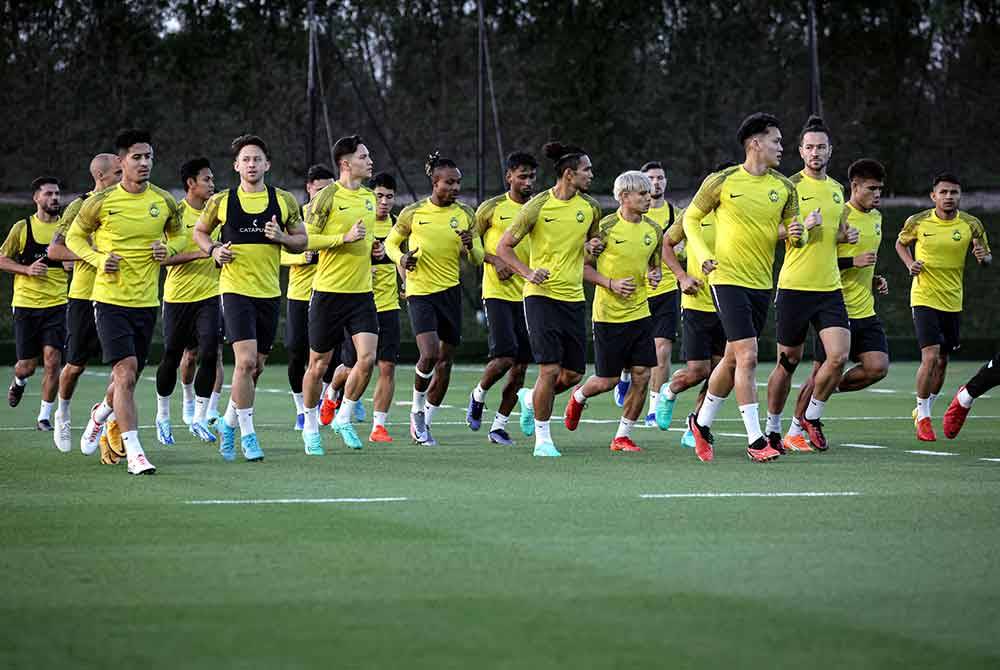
(664, 409)
(313, 443)
(347, 434)
(527, 413)
(688, 440)
(546, 450)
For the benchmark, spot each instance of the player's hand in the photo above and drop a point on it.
(916, 267)
(409, 260)
(853, 235)
(538, 275)
(273, 232)
(865, 260)
(654, 276)
(708, 266)
(795, 230)
(112, 263)
(68, 266)
(688, 284)
(159, 251)
(622, 287)
(979, 251)
(224, 253)
(815, 218)
(378, 250)
(594, 246)
(880, 285)
(37, 269)
(357, 232)
(466, 238)
(503, 270)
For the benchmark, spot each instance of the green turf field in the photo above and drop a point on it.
(499, 560)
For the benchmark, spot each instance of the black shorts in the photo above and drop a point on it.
(124, 331)
(742, 310)
(39, 327)
(795, 311)
(934, 326)
(665, 311)
(507, 332)
(622, 346)
(334, 316)
(867, 334)
(388, 341)
(297, 327)
(557, 330)
(82, 342)
(704, 336)
(192, 325)
(249, 318)
(439, 312)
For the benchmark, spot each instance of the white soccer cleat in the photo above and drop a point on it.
(63, 435)
(91, 437)
(138, 464)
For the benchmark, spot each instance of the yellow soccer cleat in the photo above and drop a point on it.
(113, 435)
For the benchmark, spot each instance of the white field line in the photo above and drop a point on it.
(991, 460)
(861, 446)
(294, 501)
(924, 452)
(802, 494)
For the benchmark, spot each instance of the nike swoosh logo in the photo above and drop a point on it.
(504, 218)
(190, 226)
(619, 241)
(342, 208)
(110, 213)
(706, 225)
(809, 198)
(423, 223)
(735, 195)
(548, 220)
(929, 234)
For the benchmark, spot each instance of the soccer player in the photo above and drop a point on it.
(560, 224)
(503, 299)
(126, 224)
(341, 227)
(438, 231)
(810, 291)
(933, 245)
(869, 347)
(39, 302)
(751, 203)
(623, 324)
(301, 270)
(186, 371)
(954, 417)
(191, 316)
(257, 220)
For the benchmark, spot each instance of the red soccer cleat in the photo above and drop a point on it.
(954, 417)
(624, 444)
(379, 434)
(327, 410)
(703, 440)
(574, 410)
(814, 429)
(761, 452)
(925, 430)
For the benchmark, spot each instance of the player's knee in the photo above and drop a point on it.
(427, 361)
(366, 360)
(788, 362)
(387, 368)
(124, 376)
(837, 359)
(517, 373)
(572, 378)
(877, 372)
(207, 358)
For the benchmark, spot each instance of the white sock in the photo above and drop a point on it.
(346, 411)
(624, 427)
(709, 408)
(162, 407)
(300, 406)
(773, 423)
(429, 410)
(245, 417)
(103, 412)
(499, 422)
(311, 424)
(63, 410)
(626, 376)
(930, 407)
(45, 410)
(213, 403)
(331, 392)
(231, 417)
(796, 428)
(579, 397)
(815, 409)
(419, 401)
(19, 381)
(667, 391)
(751, 421)
(529, 399)
(322, 393)
(542, 433)
(188, 392)
(200, 409)
(379, 419)
(654, 397)
(478, 394)
(923, 408)
(130, 439)
(964, 398)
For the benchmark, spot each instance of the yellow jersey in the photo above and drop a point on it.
(493, 218)
(26, 243)
(344, 267)
(702, 300)
(300, 274)
(81, 284)
(384, 280)
(664, 216)
(857, 282)
(195, 280)
(813, 266)
(630, 250)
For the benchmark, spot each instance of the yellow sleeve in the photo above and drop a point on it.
(526, 219)
(596, 211)
(67, 218)
(705, 200)
(675, 233)
(173, 227)
(476, 253)
(654, 257)
(210, 215)
(319, 214)
(979, 233)
(399, 234)
(908, 235)
(484, 216)
(290, 259)
(791, 210)
(293, 215)
(13, 245)
(83, 226)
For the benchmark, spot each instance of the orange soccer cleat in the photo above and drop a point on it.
(574, 410)
(379, 434)
(925, 430)
(327, 410)
(954, 417)
(624, 444)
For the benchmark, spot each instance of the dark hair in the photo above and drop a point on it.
(344, 146)
(651, 165)
(129, 137)
(866, 168)
(37, 184)
(435, 161)
(755, 124)
(521, 159)
(814, 124)
(949, 177)
(383, 179)
(319, 171)
(191, 169)
(563, 156)
(249, 141)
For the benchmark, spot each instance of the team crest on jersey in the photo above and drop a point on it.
(579, 216)
(647, 239)
(773, 195)
(453, 223)
(878, 229)
(837, 199)
(368, 205)
(154, 211)
(956, 235)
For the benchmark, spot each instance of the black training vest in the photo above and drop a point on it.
(33, 250)
(243, 228)
(385, 260)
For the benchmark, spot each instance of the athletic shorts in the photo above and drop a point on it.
(742, 310)
(388, 341)
(795, 311)
(334, 316)
(249, 318)
(622, 346)
(665, 311)
(192, 325)
(867, 334)
(297, 327)
(703, 334)
(557, 330)
(507, 332)
(124, 331)
(82, 342)
(934, 326)
(439, 312)
(39, 327)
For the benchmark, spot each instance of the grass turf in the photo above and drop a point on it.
(500, 560)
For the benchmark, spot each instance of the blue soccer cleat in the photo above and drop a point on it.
(500, 436)
(227, 441)
(360, 414)
(300, 421)
(621, 390)
(546, 450)
(347, 434)
(164, 433)
(688, 439)
(201, 430)
(251, 450)
(313, 443)
(650, 420)
(474, 413)
(527, 413)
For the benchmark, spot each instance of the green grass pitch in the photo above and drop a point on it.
(499, 560)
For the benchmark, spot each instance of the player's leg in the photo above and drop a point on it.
(428, 352)
(365, 346)
(176, 328)
(438, 386)
(779, 384)
(51, 361)
(312, 381)
(873, 366)
(658, 375)
(187, 371)
(386, 356)
(986, 378)
(501, 320)
(508, 400)
(207, 371)
(28, 350)
(297, 348)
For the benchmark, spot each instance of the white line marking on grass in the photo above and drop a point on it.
(991, 460)
(293, 501)
(861, 446)
(922, 452)
(802, 494)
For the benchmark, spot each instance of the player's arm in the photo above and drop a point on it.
(706, 200)
(621, 287)
(791, 229)
(80, 231)
(484, 219)
(472, 242)
(398, 236)
(12, 248)
(319, 213)
(981, 244)
(905, 241)
(57, 250)
(173, 229)
(294, 237)
(674, 236)
(206, 225)
(524, 222)
(595, 243)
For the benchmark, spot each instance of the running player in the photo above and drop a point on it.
(191, 318)
(341, 227)
(257, 220)
(438, 231)
(869, 347)
(752, 202)
(503, 300)
(39, 302)
(810, 291)
(623, 325)
(129, 220)
(560, 224)
(933, 245)
(954, 417)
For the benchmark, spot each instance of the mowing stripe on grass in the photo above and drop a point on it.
(293, 501)
(923, 452)
(770, 494)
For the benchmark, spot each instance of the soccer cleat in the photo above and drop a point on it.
(688, 440)
(761, 452)
(44, 425)
(91, 434)
(113, 436)
(327, 410)
(138, 464)
(814, 429)
(63, 435)
(201, 430)
(379, 434)
(621, 390)
(164, 432)
(546, 450)
(313, 443)
(925, 430)
(429, 440)
(14, 393)
(187, 412)
(914, 415)
(418, 429)
(500, 436)
(774, 441)
(703, 439)
(213, 419)
(227, 441)
(527, 413)
(574, 410)
(300, 421)
(664, 410)
(251, 449)
(360, 414)
(954, 417)
(349, 435)
(650, 419)
(108, 457)
(474, 413)
(624, 444)
(796, 443)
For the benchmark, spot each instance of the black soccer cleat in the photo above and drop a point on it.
(14, 393)
(774, 441)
